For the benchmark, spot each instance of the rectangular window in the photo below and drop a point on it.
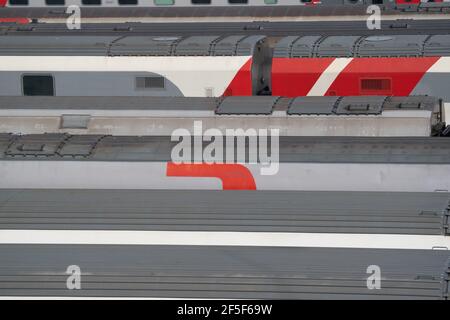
(55, 2)
(376, 86)
(143, 83)
(127, 2)
(164, 2)
(18, 2)
(38, 85)
(237, 1)
(91, 2)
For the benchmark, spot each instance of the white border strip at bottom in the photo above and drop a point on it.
(259, 239)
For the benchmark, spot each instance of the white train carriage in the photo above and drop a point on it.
(61, 161)
(375, 116)
(196, 66)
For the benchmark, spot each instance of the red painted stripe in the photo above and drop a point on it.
(233, 176)
(15, 20)
(403, 74)
(241, 85)
(408, 1)
(293, 77)
(12, 20)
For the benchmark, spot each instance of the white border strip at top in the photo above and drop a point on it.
(260, 239)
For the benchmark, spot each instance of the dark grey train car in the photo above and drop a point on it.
(400, 213)
(222, 272)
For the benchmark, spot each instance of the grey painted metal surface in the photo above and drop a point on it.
(311, 105)
(437, 45)
(279, 29)
(224, 105)
(362, 105)
(247, 211)
(247, 105)
(232, 45)
(112, 103)
(401, 45)
(416, 45)
(221, 272)
(93, 45)
(292, 149)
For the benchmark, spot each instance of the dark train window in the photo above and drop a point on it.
(18, 2)
(55, 2)
(143, 83)
(238, 1)
(375, 86)
(91, 2)
(127, 2)
(38, 85)
(201, 1)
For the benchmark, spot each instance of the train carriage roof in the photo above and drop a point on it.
(60, 147)
(233, 105)
(129, 45)
(227, 272)
(363, 46)
(301, 211)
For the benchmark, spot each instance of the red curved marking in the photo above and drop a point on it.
(404, 74)
(292, 77)
(241, 85)
(3, 3)
(15, 20)
(233, 176)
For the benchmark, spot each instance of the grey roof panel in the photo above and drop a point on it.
(236, 45)
(307, 105)
(116, 148)
(292, 149)
(128, 45)
(361, 105)
(247, 105)
(304, 46)
(230, 211)
(55, 45)
(79, 146)
(221, 272)
(246, 46)
(296, 47)
(108, 103)
(283, 47)
(313, 105)
(395, 45)
(144, 45)
(413, 103)
(45, 145)
(228, 46)
(337, 46)
(196, 46)
(437, 45)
